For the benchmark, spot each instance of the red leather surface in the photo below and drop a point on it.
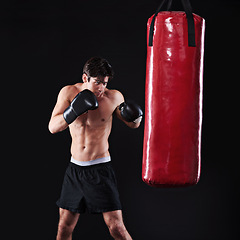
(173, 102)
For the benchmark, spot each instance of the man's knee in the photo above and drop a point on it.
(117, 230)
(65, 230)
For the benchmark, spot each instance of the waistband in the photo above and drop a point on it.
(92, 162)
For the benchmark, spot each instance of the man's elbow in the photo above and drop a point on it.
(52, 128)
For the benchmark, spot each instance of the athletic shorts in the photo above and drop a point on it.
(92, 188)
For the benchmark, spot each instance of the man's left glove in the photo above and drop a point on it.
(131, 112)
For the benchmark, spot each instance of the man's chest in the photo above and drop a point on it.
(99, 116)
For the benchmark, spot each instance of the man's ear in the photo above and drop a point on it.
(85, 78)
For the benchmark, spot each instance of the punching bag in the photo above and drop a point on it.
(173, 98)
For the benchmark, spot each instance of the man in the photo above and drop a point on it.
(89, 184)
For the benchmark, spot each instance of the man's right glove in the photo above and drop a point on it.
(84, 101)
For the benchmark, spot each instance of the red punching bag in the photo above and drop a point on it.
(173, 98)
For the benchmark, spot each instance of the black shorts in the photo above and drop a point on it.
(92, 188)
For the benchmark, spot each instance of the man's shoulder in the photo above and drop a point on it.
(70, 90)
(115, 95)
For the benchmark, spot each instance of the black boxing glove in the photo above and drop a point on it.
(131, 112)
(84, 101)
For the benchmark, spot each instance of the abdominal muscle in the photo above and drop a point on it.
(89, 143)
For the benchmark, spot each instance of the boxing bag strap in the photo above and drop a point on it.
(191, 27)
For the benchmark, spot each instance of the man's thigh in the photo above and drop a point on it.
(67, 217)
(113, 216)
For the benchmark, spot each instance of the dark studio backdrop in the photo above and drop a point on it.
(44, 45)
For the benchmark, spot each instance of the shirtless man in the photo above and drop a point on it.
(89, 184)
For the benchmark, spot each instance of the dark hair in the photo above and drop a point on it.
(97, 66)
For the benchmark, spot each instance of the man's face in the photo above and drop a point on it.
(98, 85)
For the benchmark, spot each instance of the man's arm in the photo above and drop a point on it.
(120, 100)
(57, 122)
(67, 111)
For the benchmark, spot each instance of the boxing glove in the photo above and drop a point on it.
(84, 101)
(131, 112)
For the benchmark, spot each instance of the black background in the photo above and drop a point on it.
(44, 45)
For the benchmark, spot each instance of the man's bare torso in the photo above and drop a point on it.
(91, 130)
